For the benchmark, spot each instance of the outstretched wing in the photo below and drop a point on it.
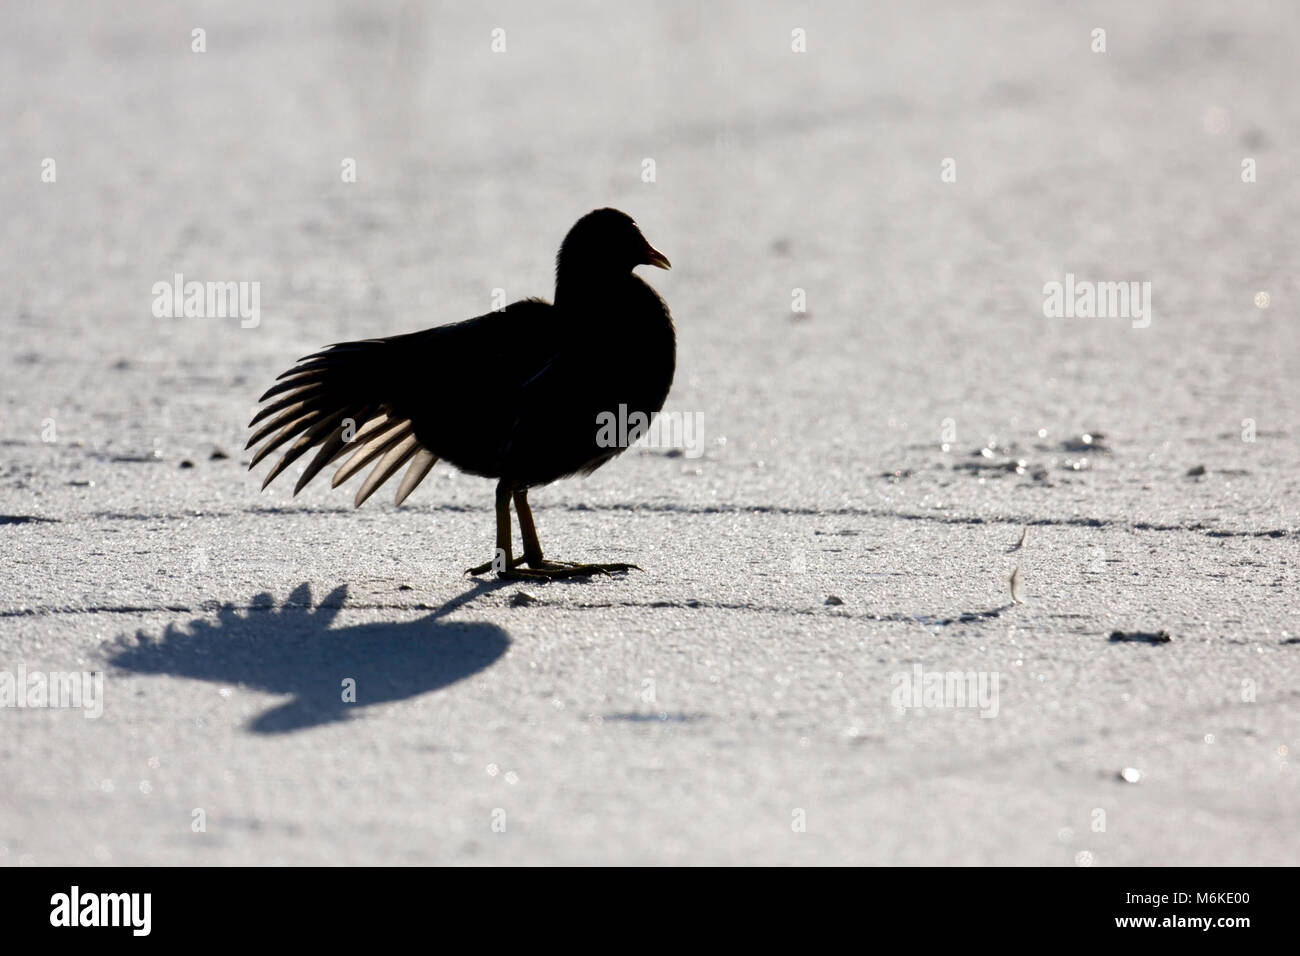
(333, 401)
(404, 401)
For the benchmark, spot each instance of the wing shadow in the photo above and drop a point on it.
(292, 649)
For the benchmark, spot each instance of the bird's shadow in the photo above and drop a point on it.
(292, 649)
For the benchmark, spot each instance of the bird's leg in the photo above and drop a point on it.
(503, 562)
(538, 566)
(528, 530)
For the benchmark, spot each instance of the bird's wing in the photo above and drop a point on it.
(406, 400)
(335, 401)
(467, 381)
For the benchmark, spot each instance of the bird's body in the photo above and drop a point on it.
(514, 394)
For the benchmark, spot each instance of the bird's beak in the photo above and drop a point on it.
(653, 257)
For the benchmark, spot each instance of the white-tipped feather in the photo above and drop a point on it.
(319, 427)
(420, 466)
(372, 449)
(394, 459)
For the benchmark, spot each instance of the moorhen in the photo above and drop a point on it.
(514, 395)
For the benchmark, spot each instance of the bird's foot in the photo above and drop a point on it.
(487, 566)
(558, 570)
(543, 570)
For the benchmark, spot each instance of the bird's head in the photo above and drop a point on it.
(607, 242)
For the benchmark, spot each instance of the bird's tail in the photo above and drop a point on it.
(336, 400)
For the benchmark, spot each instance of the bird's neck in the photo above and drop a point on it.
(581, 291)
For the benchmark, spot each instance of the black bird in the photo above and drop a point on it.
(514, 395)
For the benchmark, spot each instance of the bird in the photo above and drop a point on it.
(514, 395)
